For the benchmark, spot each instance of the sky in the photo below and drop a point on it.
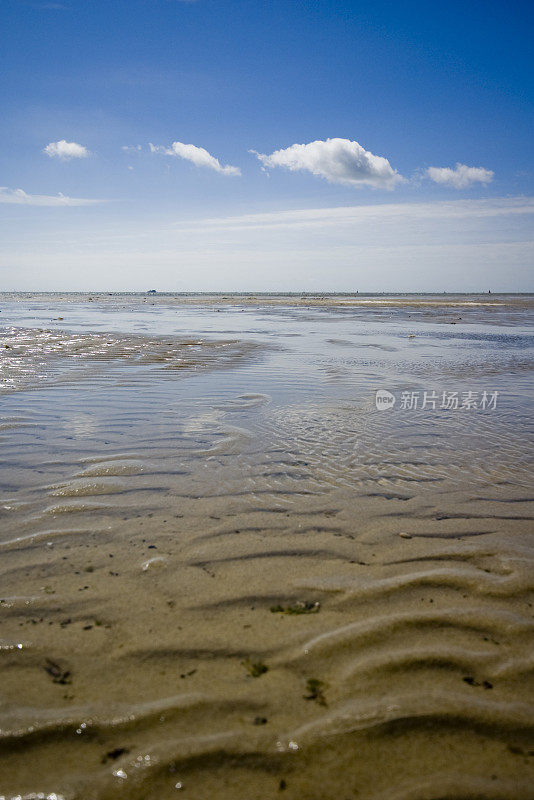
(208, 145)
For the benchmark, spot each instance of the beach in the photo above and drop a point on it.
(227, 571)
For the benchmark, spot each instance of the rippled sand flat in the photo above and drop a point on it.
(224, 573)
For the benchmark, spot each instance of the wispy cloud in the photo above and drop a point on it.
(348, 216)
(50, 6)
(20, 197)
(458, 245)
(461, 177)
(66, 150)
(132, 148)
(197, 155)
(336, 160)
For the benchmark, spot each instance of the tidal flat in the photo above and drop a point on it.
(225, 572)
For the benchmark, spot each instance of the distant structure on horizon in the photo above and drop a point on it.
(151, 291)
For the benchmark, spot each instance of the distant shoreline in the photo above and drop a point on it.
(252, 294)
(297, 299)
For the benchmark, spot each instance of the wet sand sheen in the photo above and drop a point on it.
(249, 583)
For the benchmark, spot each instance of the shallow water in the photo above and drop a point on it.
(195, 489)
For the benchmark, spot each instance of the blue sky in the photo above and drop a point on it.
(425, 86)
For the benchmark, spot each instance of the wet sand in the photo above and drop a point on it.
(224, 573)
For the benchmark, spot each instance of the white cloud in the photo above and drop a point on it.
(460, 177)
(336, 160)
(20, 197)
(132, 148)
(197, 155)
(65, 150)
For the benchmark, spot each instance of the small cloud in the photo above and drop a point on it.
(66, 150)
(337, 161)
(20, 197)
(197, 155)
(460, 177)
(132, 148)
